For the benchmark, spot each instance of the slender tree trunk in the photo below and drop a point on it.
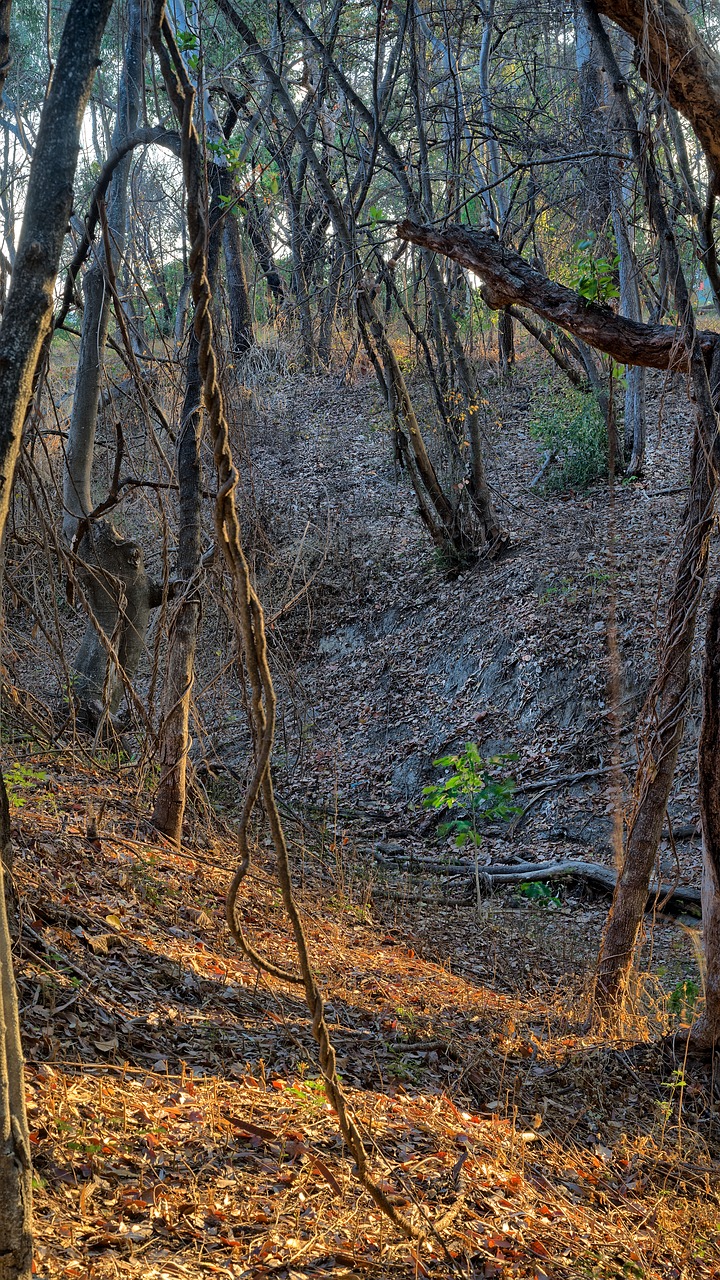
(438, 513)
(174, 733)
(15, 1163)
(25, 324)
(630, 301)
(181, 312)
(575, 373)
(330, 303)
(110, 570)
(506, 341)
(667, 703)
(705, 1033)
(241, 322)
(259, 238)
(665, 709)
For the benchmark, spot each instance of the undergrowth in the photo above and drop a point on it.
(570, 425)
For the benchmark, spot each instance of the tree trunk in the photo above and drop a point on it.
(665, 714)
(110, 570)
(705, 1033)
(15, 1164)
(25, 324)
(241, 323)
(330, 302)
(174, 735)
(259, 237)
(621, 201)
(120, 597)
(506, 342)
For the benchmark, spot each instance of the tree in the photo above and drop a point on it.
(509, 279)
(118, 593)
(23, 329)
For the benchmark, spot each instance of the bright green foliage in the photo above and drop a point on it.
(569, 423)
(683, 998)
(475, 789)
(20, 778)
(186, 40)
(595, 278)
(536, 891)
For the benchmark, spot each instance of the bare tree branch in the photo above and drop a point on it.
(508, 279)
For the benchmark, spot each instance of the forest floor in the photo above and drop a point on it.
(178, 1124)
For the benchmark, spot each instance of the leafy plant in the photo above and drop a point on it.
(20, 778)
(683, 998)
(566, 589)
(570, 425)
(595, 277)
(186, 40)
(537, 891)
(475, 789)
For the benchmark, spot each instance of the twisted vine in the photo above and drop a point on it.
(250, 624)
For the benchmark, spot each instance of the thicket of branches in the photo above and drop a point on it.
(238, 192)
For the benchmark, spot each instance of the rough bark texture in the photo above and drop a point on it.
(5, 59)
(676, 61)
(241, 325)
(25, 322)
(15, 1164)
(174, 734)
(117, 588)
(6, 854)
(47, 210)
(706, 1032)
(508, 279)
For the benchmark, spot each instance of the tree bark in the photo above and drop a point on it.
(676, 62)
(241, 322)
(25, 323)
(28, 310)
(510, 279)
(110, 569)
(15, 1163)
(705, 1033)
(174, 732)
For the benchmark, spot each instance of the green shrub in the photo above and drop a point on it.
(475, 788)
(569, 424)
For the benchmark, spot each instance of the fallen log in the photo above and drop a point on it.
(594, 873)
(660, 896)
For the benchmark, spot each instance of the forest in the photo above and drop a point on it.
(360, 639)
